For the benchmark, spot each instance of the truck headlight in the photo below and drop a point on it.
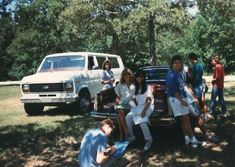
(68, 86)
(25, 87)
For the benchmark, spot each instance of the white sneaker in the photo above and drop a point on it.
(212, 137)
(194, 145)
(147, 145)
(194, 142)
(209, 116)
(204, 144)
(225, 115)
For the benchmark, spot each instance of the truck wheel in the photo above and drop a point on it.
(33, 108)
(84, 103)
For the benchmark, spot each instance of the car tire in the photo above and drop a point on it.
(33, 108)
(84, 102)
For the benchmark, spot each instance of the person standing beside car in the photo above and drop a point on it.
(217, 86)
(124, 101)
(198, 84)
(178, 99)
(197, 72)
(107, 77)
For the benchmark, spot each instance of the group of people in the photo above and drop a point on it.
(186, 94)
(134, 104)
(199, 86)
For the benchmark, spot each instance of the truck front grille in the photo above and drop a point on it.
(46, 87)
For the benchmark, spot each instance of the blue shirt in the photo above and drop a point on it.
(93, 141)
(197, 75)
(174, 83)
(107, 75)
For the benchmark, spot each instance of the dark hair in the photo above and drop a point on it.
(176, 57)
(125, 71)
(192, 55)
(106, 62)
(107, 122)
(143, 83)
(216, 58)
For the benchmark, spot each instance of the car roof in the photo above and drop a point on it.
(164, 66)
(82, 54)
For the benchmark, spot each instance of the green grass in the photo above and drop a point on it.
(12, 110)
(7, 92)
(43, 140)
(229, 96)
(53, 139)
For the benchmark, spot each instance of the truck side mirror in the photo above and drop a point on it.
(95, 67)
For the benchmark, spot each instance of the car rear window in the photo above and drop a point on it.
(156, 74)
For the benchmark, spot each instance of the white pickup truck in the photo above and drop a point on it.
(65, 78)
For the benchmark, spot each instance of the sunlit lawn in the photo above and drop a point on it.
(40, 140)
(229, 95)
(12, 110)
(53, 138)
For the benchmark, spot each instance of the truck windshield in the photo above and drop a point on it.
(63, 63)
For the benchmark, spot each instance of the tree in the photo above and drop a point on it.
(142, 32)
(220, 16)
(157, 21)
(195, 39)
(37, 34)
(96, 23)
(6, 37)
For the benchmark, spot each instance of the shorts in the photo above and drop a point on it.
(125, 108)
(177, 108)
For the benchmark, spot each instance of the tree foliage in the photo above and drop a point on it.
(142, 32)
(6, 37)
(220, 17)
(37, 34)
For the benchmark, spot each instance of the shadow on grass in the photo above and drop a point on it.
(168, 148)
(68, 109)
(63, 109)
(30, 145)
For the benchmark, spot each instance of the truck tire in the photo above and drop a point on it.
(33, 108)
(84, 102)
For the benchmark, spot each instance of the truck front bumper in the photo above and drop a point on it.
(49, 98)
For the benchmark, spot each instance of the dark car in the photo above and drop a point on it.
(156, 77)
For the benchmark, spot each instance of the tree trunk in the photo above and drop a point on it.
(151, 31)
(114, 47)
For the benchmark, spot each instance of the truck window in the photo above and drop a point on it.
(63, 62)
(90, 62)
(114, 62)
(100, 61)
